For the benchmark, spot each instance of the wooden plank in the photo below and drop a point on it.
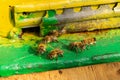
(109, 71)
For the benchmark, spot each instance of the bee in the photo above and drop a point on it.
(54, 33)
(57, 33)
(63, 31)
(55, 53)
(48, 39)
(77, 45)
(89, 41)
(41, 48)
(20, 35)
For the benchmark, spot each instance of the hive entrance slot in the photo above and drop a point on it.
(32, 30)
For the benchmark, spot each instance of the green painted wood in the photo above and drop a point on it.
(19, 57)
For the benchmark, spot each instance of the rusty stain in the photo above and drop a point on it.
(60, 71)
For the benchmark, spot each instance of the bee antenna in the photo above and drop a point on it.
(81, 40)
(94, 38)
(48, 57)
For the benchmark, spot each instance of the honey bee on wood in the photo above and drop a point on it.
(89, 41)
(48, 39)
(63, 31)
(55, 53)
(54, 33)
(57, 33)
(41, 48)
(77, 45)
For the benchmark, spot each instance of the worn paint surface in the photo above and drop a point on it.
(19, 57)
(85, 19)
(29, 13)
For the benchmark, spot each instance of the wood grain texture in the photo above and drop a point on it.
(109, 71)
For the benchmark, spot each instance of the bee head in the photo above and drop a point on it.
(94, 39)
(49, 56)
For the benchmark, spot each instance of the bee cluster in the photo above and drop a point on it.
(82, 45)
(53, 37)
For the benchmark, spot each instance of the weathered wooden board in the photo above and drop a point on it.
(109, 71)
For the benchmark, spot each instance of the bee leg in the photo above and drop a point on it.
(56, 41)
(76, 49)
(38, 52)
(71, 48)
(47, 51)
(94, 43)
(88, 47)
(44, 42)
(61, 55)
(47, 57)
(51, 58)
(42, 52)
(81, 50)
(56, 58)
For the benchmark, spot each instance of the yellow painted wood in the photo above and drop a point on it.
(5, 22)
(77, 9)
(59, 11)
(39, 5)
(59, 4)
(117, 9)
(111, 5)
(94, 7)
